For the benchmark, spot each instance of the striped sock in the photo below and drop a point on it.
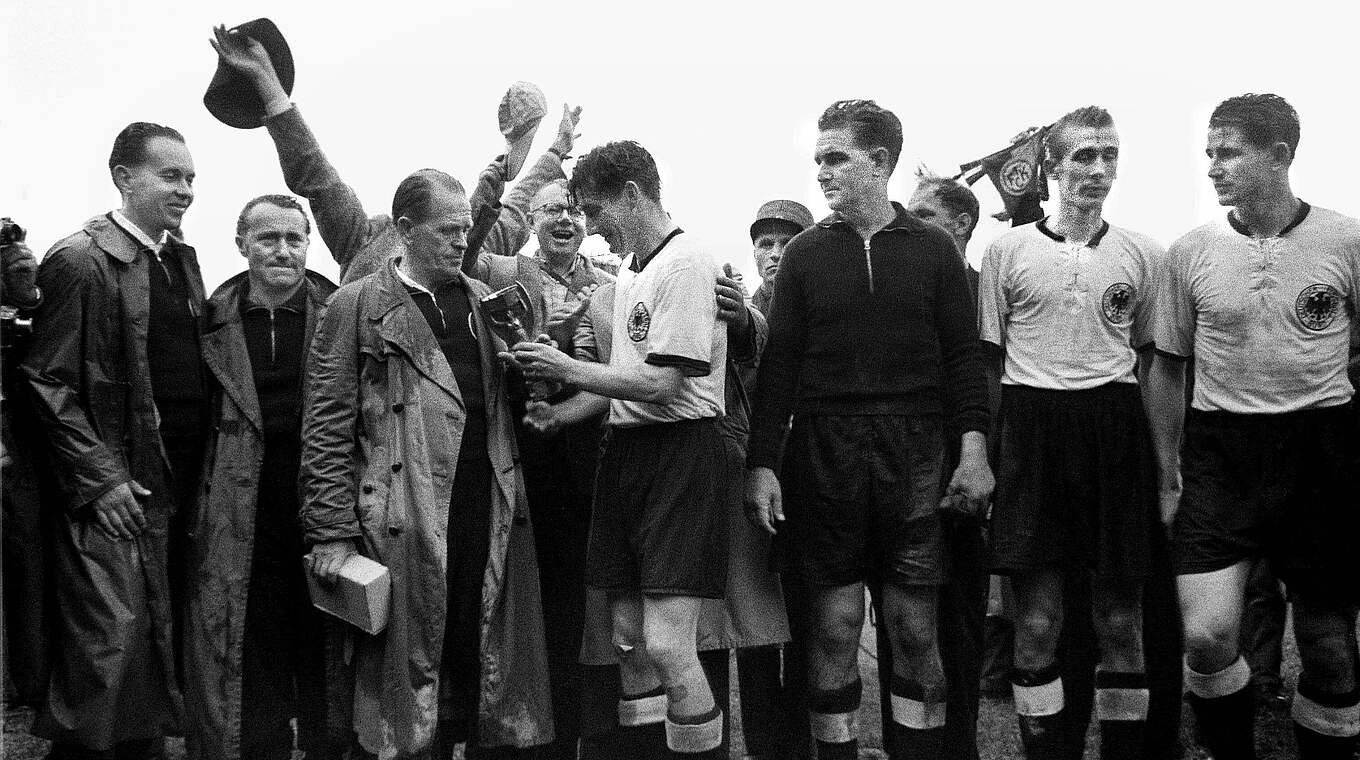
(1122, 708)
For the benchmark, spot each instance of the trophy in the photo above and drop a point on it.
(508, 311)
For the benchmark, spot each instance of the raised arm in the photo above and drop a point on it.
(511, 232)
(340, 217)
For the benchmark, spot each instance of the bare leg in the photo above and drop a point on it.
(1036, 683)
(1326, 707)
(1121, 681)
(1218, 678)
(836, 616)
(918, 683)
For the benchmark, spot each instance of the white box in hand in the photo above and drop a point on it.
(359, 596)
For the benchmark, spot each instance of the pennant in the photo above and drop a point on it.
(1017, 172)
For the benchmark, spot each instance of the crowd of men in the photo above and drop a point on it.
(580, 527)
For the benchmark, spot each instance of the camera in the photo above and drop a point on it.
(10, 232)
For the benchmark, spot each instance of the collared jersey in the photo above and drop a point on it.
(1268, 320)
(1068, 316)
(666, 315)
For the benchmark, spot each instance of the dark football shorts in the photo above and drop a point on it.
(1281, 486)
(861, 495)
(1076, 481)
(659, 523)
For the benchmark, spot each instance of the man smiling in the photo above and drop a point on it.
(122, 393)
(253, 642)
(658, 526)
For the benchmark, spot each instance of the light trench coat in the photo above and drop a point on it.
(381, 434)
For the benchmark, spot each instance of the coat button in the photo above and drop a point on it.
(397, 407)
(368, 489)
(396, 467)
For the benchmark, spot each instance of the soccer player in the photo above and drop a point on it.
(1264, 300)
(1067, 301)
(866, 347)
(659, 525)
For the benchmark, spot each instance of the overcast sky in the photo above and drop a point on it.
(724, 94)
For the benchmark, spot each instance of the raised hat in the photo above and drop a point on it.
(783, 211)
(520, 112)
(231, 97)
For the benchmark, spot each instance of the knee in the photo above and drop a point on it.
(1120, 627)
(915, 635)
(670, 653)
(1210, 638)
(838, 629)
(1329, 661)
(1037, 629)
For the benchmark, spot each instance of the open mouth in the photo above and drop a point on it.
(563, 236)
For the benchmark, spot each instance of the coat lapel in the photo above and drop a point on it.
(402, 326)
(224, 351)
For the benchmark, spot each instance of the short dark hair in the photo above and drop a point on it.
(273, 199)
(129, 147)
(871, 125)
(413, 196)
(1086, 116)
(607, 168)
(954, 196)
(1264, 119)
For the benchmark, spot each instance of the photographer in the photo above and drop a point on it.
(23, 560)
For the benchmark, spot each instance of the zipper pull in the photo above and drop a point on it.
(869, 262)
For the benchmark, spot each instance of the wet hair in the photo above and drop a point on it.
(871, 125)
(607, 168)
(273, 199)
(129, 147)
(414, 194)
(1087, 116)
(953, 195)
(1264, 119)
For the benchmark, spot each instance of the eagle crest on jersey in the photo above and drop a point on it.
(638, 322)
(1317, 306)
(1118, 303)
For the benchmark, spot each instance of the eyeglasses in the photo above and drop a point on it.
(554, 210)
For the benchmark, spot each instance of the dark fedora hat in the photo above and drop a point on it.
(231, 97)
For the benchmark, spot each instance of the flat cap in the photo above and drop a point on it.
(783, 211)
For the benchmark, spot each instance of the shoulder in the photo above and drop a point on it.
(1338, 226)
(76, 254)
(229, 290)
(1010, 242)
(1136, 243)
(319, 287)
(1200, 238)
(687, 253)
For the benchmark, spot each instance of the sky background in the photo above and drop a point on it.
(724, 94)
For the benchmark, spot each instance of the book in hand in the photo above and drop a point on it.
(359, 596)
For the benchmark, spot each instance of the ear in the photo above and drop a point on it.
(404, 226)
(880, 158)
(1282, 153)
(962, 222)
(632, 192)
(241, 244)
(122, 178)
